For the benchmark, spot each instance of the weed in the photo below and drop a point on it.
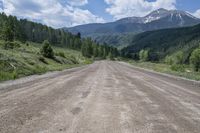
(42, 59)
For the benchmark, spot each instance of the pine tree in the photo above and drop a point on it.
(47, 50)
(7, 32)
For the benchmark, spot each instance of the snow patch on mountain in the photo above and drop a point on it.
(150, 19)
(159, 14)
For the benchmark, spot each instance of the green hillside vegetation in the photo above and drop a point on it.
(178, 48)
(23, 59)
(12, 29)
(178, 70)
(117, 40)
(30, 48)
(165, 42)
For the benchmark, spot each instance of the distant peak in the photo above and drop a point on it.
(158, 14)
(162, 9)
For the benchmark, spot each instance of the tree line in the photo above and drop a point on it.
(12, 29)
(176, 60)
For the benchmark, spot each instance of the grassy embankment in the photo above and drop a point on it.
(23, 59)
(182, 71)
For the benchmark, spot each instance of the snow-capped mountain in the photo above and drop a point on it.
(158, 19)
(155, 15)
(172, 15)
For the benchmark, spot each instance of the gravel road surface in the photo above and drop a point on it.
(104, 97)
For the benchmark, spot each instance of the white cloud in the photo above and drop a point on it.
(77, 2)
(197, 13)
(127, 8)
(51, 12)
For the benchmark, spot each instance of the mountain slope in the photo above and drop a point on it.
(22, 53)
(158, 19)
(24, 60)
(166, 42)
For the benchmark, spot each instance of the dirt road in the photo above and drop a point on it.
(104, 97)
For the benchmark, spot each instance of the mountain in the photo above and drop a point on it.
(177, 17)
(165, 42)
(159, 19)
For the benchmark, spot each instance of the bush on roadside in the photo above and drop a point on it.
(178, 67)
(14, 74)
(195, 59)
(42, 59)
(47, 50)
(74, 60)
(168, 60)
(179, 57)
(110, 56)
(61, 54)
(58, 60)
(144, 55)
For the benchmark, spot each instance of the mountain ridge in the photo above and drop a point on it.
(157, 14)
(158, 19)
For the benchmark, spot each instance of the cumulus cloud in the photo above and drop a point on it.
(77, 2)
(197, 13)
(51, 12)
(127, 8)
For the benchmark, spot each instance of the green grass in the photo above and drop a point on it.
(24, 60)
(182, 71)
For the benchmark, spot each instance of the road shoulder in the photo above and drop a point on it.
(177, 78)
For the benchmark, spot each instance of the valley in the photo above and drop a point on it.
(117, 33)
(137, 74)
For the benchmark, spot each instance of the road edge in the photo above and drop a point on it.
(8, 83)
(178, 78)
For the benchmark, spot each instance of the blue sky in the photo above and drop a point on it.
(67, 13)
(100, 7)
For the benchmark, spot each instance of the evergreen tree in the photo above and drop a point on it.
(79, 35)
(7, 32)
(95, 50)
(24, 30)
(47, 50)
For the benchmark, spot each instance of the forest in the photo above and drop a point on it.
(176, 47)
(13, 29)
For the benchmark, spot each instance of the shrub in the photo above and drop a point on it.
(110, 56)
(61, 54)
(14, 74)
(178, 67)
(58, 60)
(153, 56)
(169, 60)
(195, 59)
(74, 60)
(42, 59)
(144, 55)
(47, 50)
(11, 45)
(179, 57)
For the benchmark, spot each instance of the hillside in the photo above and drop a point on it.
(115, 40)
(30, 48)
(24, 59)
(159, 19)
(165, 42)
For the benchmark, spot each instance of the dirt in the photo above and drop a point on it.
(104, 97)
